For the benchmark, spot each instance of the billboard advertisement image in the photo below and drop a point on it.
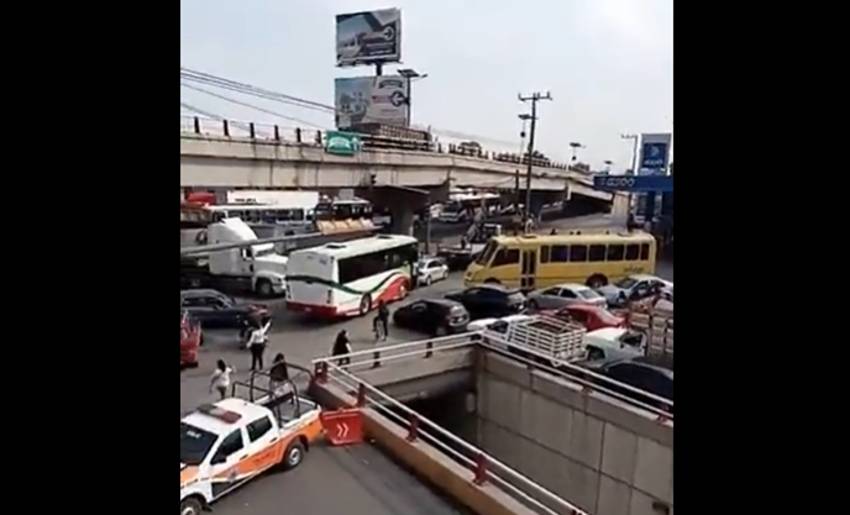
(368, 37)
(371, 100)
(654, 153)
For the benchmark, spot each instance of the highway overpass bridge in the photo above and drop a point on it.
(217, 161)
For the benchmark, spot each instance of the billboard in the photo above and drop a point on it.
(654, 154)
(368, 37)
(381, 100)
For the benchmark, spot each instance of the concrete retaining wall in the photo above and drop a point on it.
(605, 456)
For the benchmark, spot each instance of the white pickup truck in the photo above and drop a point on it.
(226, 444)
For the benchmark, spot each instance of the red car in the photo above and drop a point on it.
(191, 337)
(591, 317)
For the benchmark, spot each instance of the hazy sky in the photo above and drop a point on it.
(607, 63)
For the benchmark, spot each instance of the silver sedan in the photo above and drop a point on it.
(560, 295)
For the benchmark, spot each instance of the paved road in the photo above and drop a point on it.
(354, 481)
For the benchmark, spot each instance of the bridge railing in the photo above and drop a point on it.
(297, 135)
(590, 381)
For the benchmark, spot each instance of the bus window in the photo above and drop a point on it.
(644, 251)
(597, 253)
(544, 254)
(506, 256)
(615, 252)
(559, 254)
(578, 253)
(632, 251)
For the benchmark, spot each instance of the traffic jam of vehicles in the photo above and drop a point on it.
(582, 302)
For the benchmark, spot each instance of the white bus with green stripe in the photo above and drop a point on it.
(350, 278)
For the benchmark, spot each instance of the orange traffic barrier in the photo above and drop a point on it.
(343, 426)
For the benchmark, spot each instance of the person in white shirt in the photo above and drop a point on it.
(221, 378)
(257, 344)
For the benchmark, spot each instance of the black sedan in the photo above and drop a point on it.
(433, 316)
(644, 375)
(490, 301)
(215, 309)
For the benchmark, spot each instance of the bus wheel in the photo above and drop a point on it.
(264, 288)
(597, 281)
(365, 304)
(492, 281)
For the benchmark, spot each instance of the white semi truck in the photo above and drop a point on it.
(255, 267)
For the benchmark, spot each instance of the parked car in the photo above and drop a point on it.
(562, 295)
(499, 325)
(617, 338)
(435, 316)
(633, 287)
(431, 269)
(490, 300)
(191, 337)
(214, 309)
(591, 317)
(639, 374)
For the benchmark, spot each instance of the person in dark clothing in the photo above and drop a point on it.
(382, 319)
(342, 345)
(279, 373)
(553, 232)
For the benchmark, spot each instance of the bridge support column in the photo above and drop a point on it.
(402, 219)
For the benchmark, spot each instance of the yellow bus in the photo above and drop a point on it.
(535, 261)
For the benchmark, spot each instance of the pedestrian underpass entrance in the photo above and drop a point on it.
(519, 437)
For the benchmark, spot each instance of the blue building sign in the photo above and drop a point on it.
(654, 156)
(633, 182)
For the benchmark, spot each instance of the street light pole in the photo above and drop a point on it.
(533, 98)
(409, 74)
(634, 165)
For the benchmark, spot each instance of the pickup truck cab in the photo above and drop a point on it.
(226, 444)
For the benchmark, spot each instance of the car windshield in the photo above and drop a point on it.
(626, 283)
(195, 444)
(487, 253)
(588, 294)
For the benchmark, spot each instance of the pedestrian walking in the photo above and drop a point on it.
(342, 345)
(257, 344)
(221, 378)
(382, 321)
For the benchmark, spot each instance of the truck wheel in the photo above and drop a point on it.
(191, 506)
(293, 456)
(264, 288)
(365, 304)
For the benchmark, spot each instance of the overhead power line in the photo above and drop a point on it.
(252, 106)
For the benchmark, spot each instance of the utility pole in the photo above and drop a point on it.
(533, 98)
